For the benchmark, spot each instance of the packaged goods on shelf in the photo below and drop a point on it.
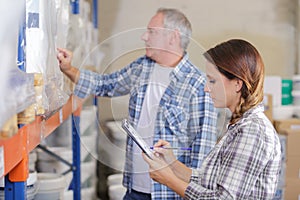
(21, 94)
(8, 48)
(10, 128)
(38, 87)
(41, 44)
(38, 79)
(28, 115)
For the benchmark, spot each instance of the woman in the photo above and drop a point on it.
(245, 162)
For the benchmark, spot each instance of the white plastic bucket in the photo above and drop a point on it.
(50, 186)
(296, 97)
(116, 192)
(114, 179)
(47, 163)
(31, 189)
(296, 82)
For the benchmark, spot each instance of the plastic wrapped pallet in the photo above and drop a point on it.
(16, 94)
(42, 19)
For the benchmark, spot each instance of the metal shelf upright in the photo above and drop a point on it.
(15, 181)
(17, 148)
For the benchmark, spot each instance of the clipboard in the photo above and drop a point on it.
(131, 132)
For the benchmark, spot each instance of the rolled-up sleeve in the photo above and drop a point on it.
(86, 84)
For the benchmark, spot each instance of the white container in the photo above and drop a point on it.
(88, 169)
(47, 163)
(116, 192)
(272, 85)
(296, 97)
(63, 152)
(114, 179)
(51, 186)
(31, 190)
(283, 112)
(87, 146)
(296, 82)
(88, 116)
(32, 160)
(68, 195)
(88, 193)
(116, 130)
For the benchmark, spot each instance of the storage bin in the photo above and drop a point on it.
(51, 186)
(296, 82)
(296, 97)
(286, 90)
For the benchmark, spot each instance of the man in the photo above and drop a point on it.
(167, 100)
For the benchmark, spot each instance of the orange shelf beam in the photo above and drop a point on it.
(16, 148)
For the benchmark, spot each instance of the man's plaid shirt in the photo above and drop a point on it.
(186, 116)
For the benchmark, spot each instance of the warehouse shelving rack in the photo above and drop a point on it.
(17, 148)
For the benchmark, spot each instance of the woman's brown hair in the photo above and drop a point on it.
(238, 58)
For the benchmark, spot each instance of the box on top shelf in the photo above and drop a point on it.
(292, 142)
(268, 106)
(292, 190)
(293, 167)
(284, 124)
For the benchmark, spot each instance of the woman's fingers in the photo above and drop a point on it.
(162, 143)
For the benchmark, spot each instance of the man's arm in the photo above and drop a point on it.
(65, 57)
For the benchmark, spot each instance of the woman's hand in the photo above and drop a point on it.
(167, 154)
(165, 169)
(159, 170)
(163, 158)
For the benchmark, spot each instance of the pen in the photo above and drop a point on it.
(176, 148)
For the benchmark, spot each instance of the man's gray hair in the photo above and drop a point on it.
(174, 19)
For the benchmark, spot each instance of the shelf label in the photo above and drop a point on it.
(1, 161)
(61, 118)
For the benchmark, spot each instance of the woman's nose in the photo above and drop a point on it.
(206, 88)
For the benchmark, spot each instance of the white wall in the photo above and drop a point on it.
(298, 37)
(271, 25)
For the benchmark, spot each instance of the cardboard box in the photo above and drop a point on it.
(292, 189)
(292, 146)
(293, 167)
(284, 124)
(268, 106)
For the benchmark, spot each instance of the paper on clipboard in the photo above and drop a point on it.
(137, 138)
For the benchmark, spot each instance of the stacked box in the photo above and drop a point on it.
(290, 129)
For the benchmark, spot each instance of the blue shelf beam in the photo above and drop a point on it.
(17, 190)
(75, 6)
(21, 46)
(95, 13)
(75, 185)
(14, 190)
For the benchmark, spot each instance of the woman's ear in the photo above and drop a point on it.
(238, 85)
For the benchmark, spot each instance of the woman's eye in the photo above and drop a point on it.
(212, 81)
